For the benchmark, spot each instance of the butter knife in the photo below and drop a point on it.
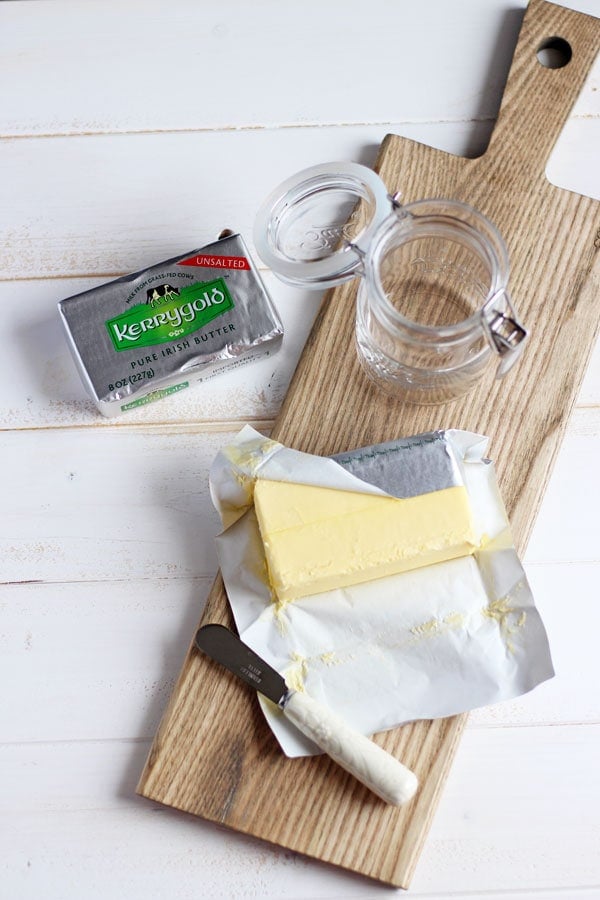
(381, 772)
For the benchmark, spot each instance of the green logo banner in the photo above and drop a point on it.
(175, 316)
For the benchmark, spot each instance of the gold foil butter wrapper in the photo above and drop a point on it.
(428, 643)
(153, 333)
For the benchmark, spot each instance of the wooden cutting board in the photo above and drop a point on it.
(214, 756)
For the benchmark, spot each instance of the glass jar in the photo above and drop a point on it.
(433, 310)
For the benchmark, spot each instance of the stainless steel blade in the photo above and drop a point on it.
(226, 648)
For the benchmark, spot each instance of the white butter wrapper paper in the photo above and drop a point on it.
(428, 643)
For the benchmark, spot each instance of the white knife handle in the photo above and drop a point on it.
(364, 759)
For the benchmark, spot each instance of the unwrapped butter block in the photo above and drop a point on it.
(319, 539)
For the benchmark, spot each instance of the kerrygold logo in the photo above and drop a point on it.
(180, 315)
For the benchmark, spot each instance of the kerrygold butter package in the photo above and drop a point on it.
(156, 332)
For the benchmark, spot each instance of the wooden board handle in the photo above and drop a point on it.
(537, 100)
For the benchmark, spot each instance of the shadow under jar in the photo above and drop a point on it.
(433, 309)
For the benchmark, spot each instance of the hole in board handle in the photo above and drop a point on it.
(554, 53)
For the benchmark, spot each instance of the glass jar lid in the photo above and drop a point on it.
(313, 229)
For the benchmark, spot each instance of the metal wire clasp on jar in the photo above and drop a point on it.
(433, 309)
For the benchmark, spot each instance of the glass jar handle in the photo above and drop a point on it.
(505, 334)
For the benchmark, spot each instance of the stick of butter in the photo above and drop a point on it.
(318, 539)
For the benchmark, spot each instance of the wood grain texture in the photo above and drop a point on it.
(213, 755)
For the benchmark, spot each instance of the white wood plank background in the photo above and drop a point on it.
(132, 131)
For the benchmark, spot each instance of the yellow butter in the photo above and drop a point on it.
(318, 539)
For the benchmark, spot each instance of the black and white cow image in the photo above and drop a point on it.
(157, 295)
